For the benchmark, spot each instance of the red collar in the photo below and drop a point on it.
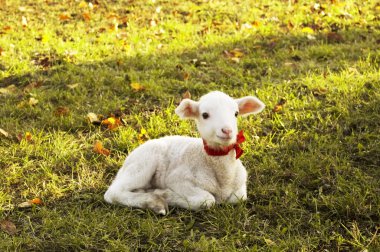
(225, 150)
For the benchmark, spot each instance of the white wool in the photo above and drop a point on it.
(176, 170)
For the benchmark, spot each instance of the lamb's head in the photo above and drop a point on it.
(216, 115)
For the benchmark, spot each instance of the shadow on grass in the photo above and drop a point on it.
(340, 124)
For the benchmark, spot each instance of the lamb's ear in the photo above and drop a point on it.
(250, 105)
(188, 109)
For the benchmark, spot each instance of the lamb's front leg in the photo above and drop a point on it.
(238, 195)
(187, 195)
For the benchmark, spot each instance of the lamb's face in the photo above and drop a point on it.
(217, 119)
(216, 115)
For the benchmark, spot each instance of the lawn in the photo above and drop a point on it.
(83, 83)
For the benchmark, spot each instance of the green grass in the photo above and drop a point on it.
(314, 178)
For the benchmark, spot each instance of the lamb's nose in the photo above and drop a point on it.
(227, 131)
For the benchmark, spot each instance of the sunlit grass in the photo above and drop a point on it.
(313, 164)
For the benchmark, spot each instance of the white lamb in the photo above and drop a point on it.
(189, 172)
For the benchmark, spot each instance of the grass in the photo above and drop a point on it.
(313, 165)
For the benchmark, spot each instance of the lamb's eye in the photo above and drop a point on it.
(205, 115)
(236, 114)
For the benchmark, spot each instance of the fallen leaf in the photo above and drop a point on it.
(64, 17)
(93, 118)
(279, 106)
(72, 86)
(25, 204)
(8, 227)
(137, 86)
(62, 111)
(112, 122)
(1, 51)
(269, 241)
(36, 201)
(320, 91)
(7, 28)
(142, 136)
(234, 55)
(333, 37)
(32, 85)
(11, 89)
(82, 4)
(32, 101)
(186, 95)
(86, 16)
(186, 76)
(4, 133)
(237, 53)
(27, 137)
(24, 22)
(307, 30)
(256, 24)
(98, 148)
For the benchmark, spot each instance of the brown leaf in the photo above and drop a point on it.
(186, 76)
(62, 111)
(64, 17)
(32, 85)
(98, 148)
(333, 37)
(8, 226)
(27, 137)
(86, 16)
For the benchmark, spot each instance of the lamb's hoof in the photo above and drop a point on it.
(159, 206)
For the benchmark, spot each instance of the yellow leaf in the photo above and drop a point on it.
(137, 86)
(72, 86)
(308, 30)
(112, 122)
(82, 4)
(28, 136)
(269, 241)
(33, 101)
(142, 136)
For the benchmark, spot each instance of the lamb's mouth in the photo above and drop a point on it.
(224, 138)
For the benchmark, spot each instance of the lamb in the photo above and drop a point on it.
(188, 172)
